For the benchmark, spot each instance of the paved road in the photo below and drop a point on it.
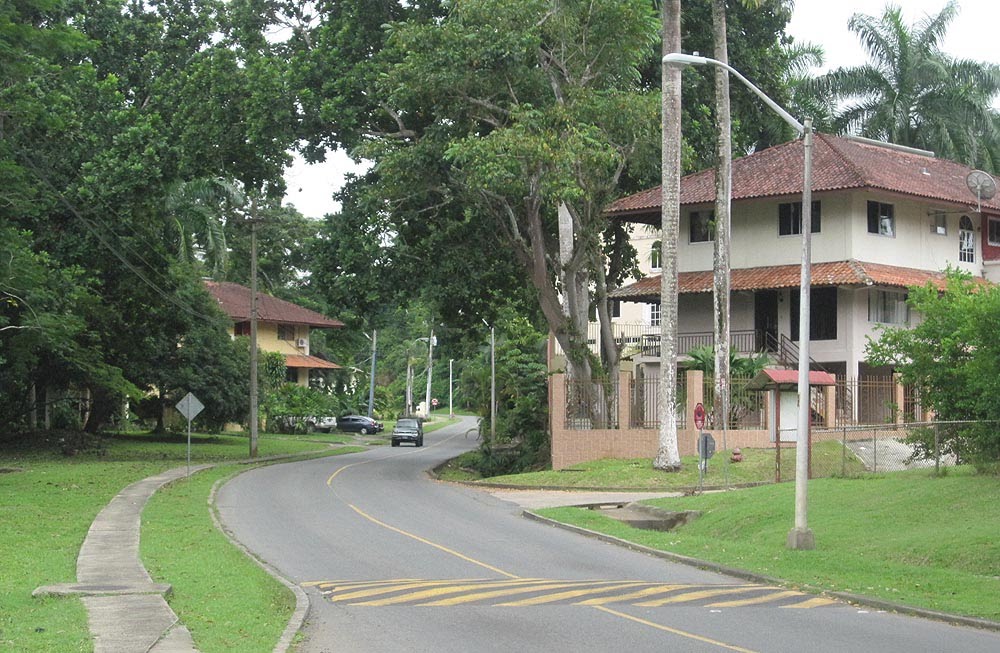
(394, 561)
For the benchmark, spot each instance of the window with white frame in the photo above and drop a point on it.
(966, 240)
(881, 219)
(993, 231)
(654, 315)
(939, 223)
(701, 227)
(888, 307)
(654, 255)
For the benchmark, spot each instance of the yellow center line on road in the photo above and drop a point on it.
(622, 615)
(673, 631)
(433, 544)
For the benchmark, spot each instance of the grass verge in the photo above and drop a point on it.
(757, 467)
(47, 503)
(224, 598)
(910, 538)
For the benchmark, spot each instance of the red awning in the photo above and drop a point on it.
(771, 378)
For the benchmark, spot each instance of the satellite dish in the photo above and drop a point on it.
(982, 185)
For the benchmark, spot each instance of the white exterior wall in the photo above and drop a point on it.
(913, 246)
(843, 236)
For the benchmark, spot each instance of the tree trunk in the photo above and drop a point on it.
(723, 194)
(667, 455)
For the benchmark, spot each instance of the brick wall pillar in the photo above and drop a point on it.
(624, 400)
(830, 401)
(695, 396)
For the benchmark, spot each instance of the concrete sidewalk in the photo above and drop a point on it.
(126, 610)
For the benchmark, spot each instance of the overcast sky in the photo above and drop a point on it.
(823, 22)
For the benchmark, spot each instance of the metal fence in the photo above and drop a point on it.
(747, 408)
(645, 402)
(877, 449)
(591, 404)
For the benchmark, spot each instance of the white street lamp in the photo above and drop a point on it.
(800, 537)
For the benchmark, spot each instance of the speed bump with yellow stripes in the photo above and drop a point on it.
(523, 592)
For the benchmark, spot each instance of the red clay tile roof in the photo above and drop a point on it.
(311, 362)
(234, 300)
(838, 164)
(838, 273)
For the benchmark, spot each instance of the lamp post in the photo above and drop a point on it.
(371, 381)
(493, 382)
(451, 387)
(800, 537)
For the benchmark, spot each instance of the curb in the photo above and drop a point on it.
(855, 599)
(301, 598)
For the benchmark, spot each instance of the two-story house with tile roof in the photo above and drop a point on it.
(883, 219)
(282, 327)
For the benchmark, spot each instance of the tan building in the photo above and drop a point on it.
(282, 327)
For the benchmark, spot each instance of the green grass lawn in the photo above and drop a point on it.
(757, 467)
(907, 537)
(48, 501)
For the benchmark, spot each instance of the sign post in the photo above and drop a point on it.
(706, 444)
(189, 407)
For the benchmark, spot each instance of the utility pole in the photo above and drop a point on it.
(371, 384)
(451, 387)
(253, 329)
(493, 386)
(430, 368)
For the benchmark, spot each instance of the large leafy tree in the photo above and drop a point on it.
(107, 105)
(524, 119)
(912, 93)
(952, 356)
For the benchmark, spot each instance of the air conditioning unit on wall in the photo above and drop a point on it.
(301, 343)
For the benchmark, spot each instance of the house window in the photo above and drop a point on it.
(702, 227)
(939, 223)
(615, 308)
(286, 332)
(881, 219)
(822, 314)
(654, 315)
(292, 374)
(993, 231)
(241, 329)
(654, 255)
(888, 307)
(966, 240)
(790, 218)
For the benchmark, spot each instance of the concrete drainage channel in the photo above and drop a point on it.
(645, 517)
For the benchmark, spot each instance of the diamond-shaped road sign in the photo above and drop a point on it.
(189, 406)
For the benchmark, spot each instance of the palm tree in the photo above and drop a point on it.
(197, 208)
(912, 93)
(667, 454)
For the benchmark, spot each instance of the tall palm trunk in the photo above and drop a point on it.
(667, 456)
(723, 194)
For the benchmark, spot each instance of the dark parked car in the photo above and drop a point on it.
(359, 424)
(408, 429)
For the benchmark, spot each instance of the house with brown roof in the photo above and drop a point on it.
(282, 327)
(883, 219)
